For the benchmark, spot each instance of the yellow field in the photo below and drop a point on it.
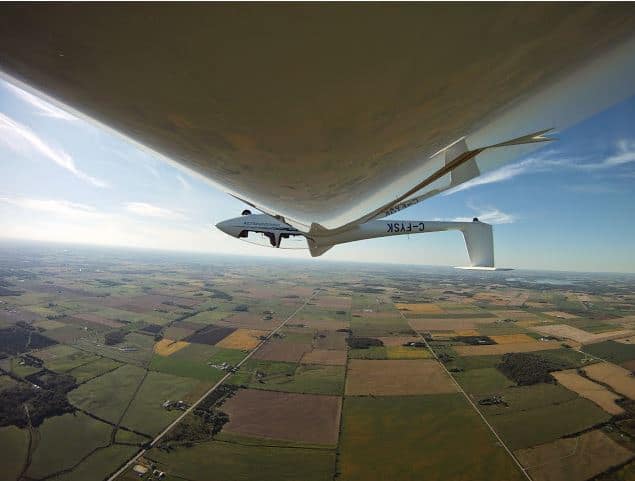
(590, 390)
(512, 338)
(166, 347)
(561, 315)
(405, 352)
(242, 339)
(467, 332)
(420, 308)
(617, 377)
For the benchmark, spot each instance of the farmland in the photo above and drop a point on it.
(379, 374)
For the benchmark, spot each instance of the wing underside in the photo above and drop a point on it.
(325, 114)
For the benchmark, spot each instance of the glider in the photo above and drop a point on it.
(328, 117)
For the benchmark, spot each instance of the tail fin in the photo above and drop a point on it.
(479, 240)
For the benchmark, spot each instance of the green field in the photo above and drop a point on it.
(108, 395)
(401, 437)
(538, 425)
(290, 377)
(14, 446)
(380, 326)
(96, 368)
(64, 358)
(146, 413)
(612, 351)
(223, 461)
(192, 361)
(483, 381)
(64, 440)
(100, 464)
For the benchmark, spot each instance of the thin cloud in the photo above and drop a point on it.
(63, 208)
(24, 141)
(490, 215)
(184, 183)
(549, 161)
(148, 210)
(42, 106)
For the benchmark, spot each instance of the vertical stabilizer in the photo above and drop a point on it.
(479, 240)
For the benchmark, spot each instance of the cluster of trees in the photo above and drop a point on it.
(363, 342)
(206, 422)
(115, 337)
(525, 368)
(46, 401)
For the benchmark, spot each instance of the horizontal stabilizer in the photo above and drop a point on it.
(469, 268)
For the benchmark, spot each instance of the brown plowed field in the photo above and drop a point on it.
(578, 458)
(505, 348)
(453, 324)
(331, 340)
(282, 350)
(322, 356)
(210, 335)
(511, 338)
(398, 377)
(98, 319)
(307, 418)
(421, 308)
(617, 377)
(588, 389)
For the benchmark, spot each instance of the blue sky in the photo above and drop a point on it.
(567, 206)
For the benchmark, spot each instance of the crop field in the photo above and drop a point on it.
(312, 403)
(497, 349)
(420, 308)
(522, 429)
(394, 378)
(93, 369)
(284, 350)
(146, 413)
(222, 461)
(486, 380)
(511, 338)
(621, 380)
(578, 335)
(166, 347)
(108, 395)
(245, 339)
(304, 418)
(323, 356)
(64, 440)
(581, 457)
(14, 445)
(423, 433)
(331, 340)
(589, 390)
(448, 324)
(612, 351)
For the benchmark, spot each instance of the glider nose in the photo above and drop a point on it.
(227, 227)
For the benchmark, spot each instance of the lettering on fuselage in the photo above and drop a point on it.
(405, 227)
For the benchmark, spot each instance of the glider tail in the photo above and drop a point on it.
(479, 240)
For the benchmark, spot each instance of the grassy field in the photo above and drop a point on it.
(63, 358)
(64, 440)
(379, 325)
(100, 464)
(612, 351)
(483, 381)
(146, 413)
(525, 428)
(290, 377)
(96, 368)
(439, 435)
(13, 445)
(222, 461)
(108, 395)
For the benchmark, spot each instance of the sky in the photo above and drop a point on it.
(568, 206)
